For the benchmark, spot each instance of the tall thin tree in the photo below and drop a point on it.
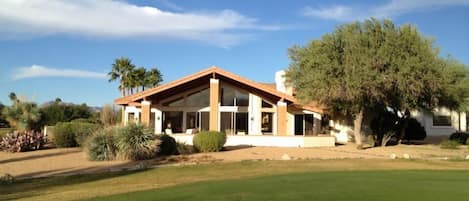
(121, 68)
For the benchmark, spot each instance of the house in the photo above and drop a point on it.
(441, 122)
(250, 113)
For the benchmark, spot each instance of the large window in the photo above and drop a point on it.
(441, 120)
(198, 120)
(304, 124)
(199, 99)
(267, 123)
(173, 121)
(191, 120)
(234, 123)
(233, 97)
(176, 102)
(265, 104)
(204, 120)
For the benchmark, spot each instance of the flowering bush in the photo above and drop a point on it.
(22, 141)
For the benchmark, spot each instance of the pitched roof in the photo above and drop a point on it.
(268, 88)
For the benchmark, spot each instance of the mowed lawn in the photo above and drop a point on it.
(344, 179)
(357, 185)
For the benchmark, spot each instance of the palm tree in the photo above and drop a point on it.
(138, 78)
(121, 69)
(153, 78)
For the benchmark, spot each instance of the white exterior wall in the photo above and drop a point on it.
(268, 141)
(342, 130)
(426, 119)
(158, 120)
(255, 105)
(131, 109)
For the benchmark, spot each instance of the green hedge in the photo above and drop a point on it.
(209, 141)
(72, 134)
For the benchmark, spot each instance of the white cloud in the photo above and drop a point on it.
(333, 12)
(42, 71)
(107, 18)
(393, 8)
(171, 5)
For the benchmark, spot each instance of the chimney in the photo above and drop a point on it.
(280, 83)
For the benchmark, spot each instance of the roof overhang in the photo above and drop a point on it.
(201, 77)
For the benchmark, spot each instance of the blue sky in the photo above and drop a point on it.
(54, 48)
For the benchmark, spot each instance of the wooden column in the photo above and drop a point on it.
(281, 118)
(145, 113)
(214, 96)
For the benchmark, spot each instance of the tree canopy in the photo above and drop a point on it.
(63, 112)
(360, 66)
(132, 79)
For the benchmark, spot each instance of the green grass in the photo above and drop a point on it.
(357, 185)
(247, 179)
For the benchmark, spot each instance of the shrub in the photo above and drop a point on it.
(414, 130)
(209, 141)
(6, 179)
(183, 148)
(467, 142)
(449, 144)
(460, 137)
(22, 141)
(101, 145)
(136, 142)
(72, 134)
(168, 145)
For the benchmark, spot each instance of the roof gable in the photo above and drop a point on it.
(213, 72)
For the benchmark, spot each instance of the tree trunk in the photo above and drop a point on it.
(357, 127)
(405, 124)
(122, 88)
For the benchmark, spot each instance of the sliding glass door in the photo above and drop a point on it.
(199, 120)
(172, 120)
(234, 123)
(304, 124)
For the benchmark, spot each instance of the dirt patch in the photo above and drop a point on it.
(74, 160)
(51, 162)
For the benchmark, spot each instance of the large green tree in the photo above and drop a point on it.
(362, 66)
